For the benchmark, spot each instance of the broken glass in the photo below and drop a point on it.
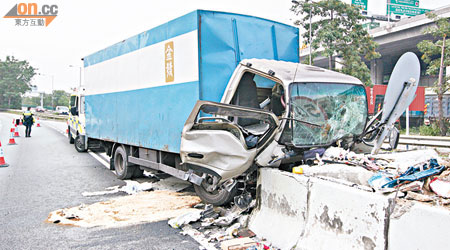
(339, 109)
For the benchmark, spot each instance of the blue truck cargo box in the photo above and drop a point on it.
(140, 91)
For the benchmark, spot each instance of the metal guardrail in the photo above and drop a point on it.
(50, 116)
(38, 114)
(427, 141)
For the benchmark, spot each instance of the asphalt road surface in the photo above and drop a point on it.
(46, 174)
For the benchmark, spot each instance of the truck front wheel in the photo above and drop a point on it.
(79, 144)
(217, 197)
(122, 168)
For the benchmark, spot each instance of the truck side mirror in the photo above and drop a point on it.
(73, 111)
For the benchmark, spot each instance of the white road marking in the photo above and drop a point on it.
(96, 156)
(99, 159)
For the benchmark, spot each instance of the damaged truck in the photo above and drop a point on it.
(209, 98)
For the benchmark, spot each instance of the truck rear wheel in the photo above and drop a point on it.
(218, 197)
(121, 165)
(79, 144)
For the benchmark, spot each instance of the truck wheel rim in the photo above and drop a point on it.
(119, 163)
(78, 143)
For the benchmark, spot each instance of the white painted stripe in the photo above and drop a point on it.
(145, 68)
(99, 159)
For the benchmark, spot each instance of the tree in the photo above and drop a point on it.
(15, 77)
(61, 98)
(339, 32)
(437, 56)
(31, 101)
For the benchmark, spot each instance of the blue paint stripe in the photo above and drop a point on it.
(176, 27)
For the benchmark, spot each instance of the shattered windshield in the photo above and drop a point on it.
(340, 110)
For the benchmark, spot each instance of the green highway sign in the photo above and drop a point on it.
(405, 10)
(412, 3)
(361, 3)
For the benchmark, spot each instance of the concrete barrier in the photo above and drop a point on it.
(342, 217)
(299, 212)
(415, 225)
(280, 216)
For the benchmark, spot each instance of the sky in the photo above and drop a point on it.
(83, 27)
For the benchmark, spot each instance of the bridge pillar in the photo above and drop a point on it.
(376, 71)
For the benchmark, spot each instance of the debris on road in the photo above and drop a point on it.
(440, 187)
(127, 210)
(239, 244)
(171, 183)
(133, 187)
(220, 227)
(185, 219)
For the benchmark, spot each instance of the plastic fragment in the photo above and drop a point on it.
(184, 219)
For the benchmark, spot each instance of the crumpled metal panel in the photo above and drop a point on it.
(222, 152)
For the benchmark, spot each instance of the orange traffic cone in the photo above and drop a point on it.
(38, 124)
(20, 123)
(16, 132)
(11, 138)
(3, 163)
(14, 121)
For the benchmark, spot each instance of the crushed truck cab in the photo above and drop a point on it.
(271, 114)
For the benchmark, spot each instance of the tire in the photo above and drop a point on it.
(71, 140)
(219, 197)
(111, 163)
(122, 168)
(79, 144)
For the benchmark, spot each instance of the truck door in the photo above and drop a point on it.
(222, 140)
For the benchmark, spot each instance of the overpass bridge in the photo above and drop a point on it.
(394, 39)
